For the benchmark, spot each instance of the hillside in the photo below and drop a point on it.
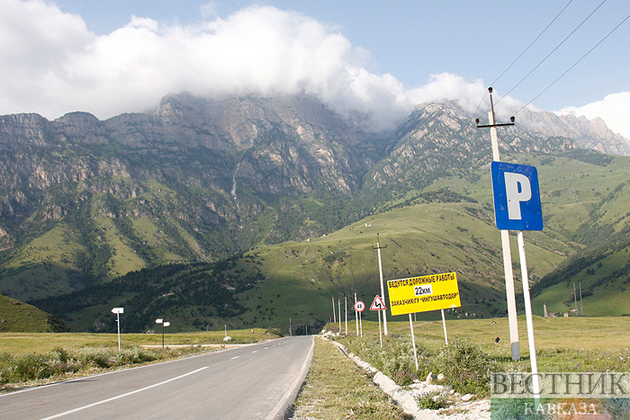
(16, 316)
(87, 206)
(447, 227)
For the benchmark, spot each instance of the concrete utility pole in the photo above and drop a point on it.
(581, 305)
(575, 299)
(339, 312)
(505, 242)
(378, 248)
(346, 299)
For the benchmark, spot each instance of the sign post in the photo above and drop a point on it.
(118, 311)
(166, 324)
(379, 306)
(421, 294)
(359, 306)
(517, 207)
(505, 240)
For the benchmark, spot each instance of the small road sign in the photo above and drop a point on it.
(359, 306)
(378, 304)
(516, 197)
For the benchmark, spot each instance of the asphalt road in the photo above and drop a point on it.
(259, 381)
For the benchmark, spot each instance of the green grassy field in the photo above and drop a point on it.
(562, 344)
(16, 343)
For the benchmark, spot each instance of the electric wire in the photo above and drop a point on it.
(523, 53)
(532, 43)
(574, 64)
(552, 51)
(480, 102)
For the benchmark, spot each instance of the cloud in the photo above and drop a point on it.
(209, 10)
(54, 65)
(613, 109)
(452, 87)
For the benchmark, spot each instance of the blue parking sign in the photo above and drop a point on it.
(516, 197)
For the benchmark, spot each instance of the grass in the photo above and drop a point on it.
(19, 316)
(563, 345)
(15, 343)
(336, 389)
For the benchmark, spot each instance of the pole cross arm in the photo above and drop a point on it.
(494, 125)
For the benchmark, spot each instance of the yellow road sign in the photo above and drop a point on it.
(421, 294)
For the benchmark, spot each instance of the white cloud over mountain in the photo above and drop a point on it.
(613, 109)
(52, 64)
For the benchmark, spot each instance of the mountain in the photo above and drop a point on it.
(86, 203)
(588, 134)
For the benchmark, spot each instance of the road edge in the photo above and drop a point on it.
(283, 407)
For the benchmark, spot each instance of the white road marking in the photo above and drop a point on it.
(123, 395)
(235, 357)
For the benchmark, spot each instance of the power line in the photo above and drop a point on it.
(552, 51)
(532, 43)
(574, 64)
(521, 54)
(480, 102)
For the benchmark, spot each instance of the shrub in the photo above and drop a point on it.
(432, 401)
(26, 367)
(93, 357)
(395, 359)
(465, 366)
(131, 355)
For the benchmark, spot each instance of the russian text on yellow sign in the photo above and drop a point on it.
(421, 294)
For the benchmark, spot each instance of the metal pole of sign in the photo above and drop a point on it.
(118, 322)
(528, 314)
(505, 243)
(413, 341)
(361, 323)
(444, 325)
(356, 313)
(380, 332)
(334, 315)
(118, 311)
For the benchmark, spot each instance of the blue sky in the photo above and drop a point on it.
(415, 49)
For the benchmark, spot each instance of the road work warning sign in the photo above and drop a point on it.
(422, 294)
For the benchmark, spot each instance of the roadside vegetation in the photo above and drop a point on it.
(563, 345)
(28, 359)
(336, 389)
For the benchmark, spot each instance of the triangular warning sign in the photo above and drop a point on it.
(378, 304)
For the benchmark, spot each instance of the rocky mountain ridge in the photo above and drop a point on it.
(84, 200)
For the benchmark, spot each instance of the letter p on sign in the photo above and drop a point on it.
(516, 197)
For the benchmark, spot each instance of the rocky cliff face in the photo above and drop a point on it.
(588, 134)
(83, 200)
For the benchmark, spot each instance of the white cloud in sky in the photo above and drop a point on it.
(613, 109)
(209, 10)
(52, 64)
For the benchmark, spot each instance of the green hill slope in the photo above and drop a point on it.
(448, 226)
(16, 316)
